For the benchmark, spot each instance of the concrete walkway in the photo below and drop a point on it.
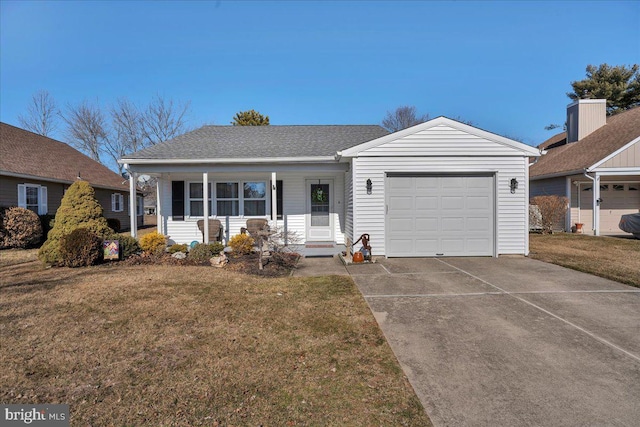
(509, 341)
(321, 266)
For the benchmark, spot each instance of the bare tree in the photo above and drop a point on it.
(42, 114)
(402, 118)
(87, 128)
(126, 121)
(162, 120)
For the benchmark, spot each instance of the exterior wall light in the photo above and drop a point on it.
(513, 185)
(369, 186)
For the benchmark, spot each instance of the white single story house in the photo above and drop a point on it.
(440, 188)
(595, 164)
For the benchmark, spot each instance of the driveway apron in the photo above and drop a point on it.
(510, 341)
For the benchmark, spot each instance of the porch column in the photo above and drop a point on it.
(159, 224)
(132, 204)
(596, 205)
(205, 204)
(274, 200)
(567, 217)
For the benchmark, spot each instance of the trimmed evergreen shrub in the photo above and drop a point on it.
(178, 248)
(202, 252)
(242, 244)
(20, 227)
(80, 248)
(79, 208)
(153, 243)
(114, 224)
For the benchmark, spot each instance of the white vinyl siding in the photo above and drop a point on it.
(511, 209)
(294, 204)
(33, 197)
(348, 201)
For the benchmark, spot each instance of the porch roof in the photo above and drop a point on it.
(259, 142)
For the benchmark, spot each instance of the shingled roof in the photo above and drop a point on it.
(251, 142)
(26, 154)
(561, 157)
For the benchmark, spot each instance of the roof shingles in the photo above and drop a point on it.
(620, 130)
(238, 142)
(28, 154)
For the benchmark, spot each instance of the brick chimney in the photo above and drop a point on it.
(584, 116)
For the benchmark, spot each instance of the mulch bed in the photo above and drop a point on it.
(279, 265)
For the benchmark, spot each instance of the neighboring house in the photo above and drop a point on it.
(438, 188)
(35, 171)
(596, 164)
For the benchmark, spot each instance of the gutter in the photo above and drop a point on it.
(316, 159)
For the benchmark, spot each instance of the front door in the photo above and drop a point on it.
(319, 210)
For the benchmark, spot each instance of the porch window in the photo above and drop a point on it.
(227, 199)
(255, 198)
(196, 205)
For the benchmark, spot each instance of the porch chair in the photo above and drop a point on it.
(215, 230)
(256, 225)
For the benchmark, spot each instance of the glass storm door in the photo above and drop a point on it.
(319, 210)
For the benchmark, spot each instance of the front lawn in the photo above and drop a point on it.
(189, 346)
(610, 257)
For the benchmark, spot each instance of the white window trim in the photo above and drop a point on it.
(196, 199)
(251, 199)
(117, 202)
(42, 197)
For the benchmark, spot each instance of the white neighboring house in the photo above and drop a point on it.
(441, 188)
(595, 164)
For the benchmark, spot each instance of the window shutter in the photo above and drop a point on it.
(42, 199)
(113, 202)
(177, 200)
(22, 196)
(121, 202)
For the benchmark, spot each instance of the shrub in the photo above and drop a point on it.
(21, 228)
(242, 244)
(552, 211)
(153, 243)
(114, 224)
(178, 248)
(202, 252)
(80, 248)
(46, 221)
(79, 209)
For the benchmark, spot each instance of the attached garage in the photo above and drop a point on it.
(441, 188)
(440, 215)
(618, 198)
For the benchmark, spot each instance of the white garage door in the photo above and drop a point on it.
(617, 199)
(440, 216)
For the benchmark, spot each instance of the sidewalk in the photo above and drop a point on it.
(320, 267)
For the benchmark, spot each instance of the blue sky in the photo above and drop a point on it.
(505, 66)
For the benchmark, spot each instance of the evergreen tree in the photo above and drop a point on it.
(619, 85)
(250, 118)
(78, 208)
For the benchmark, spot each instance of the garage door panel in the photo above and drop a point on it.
(452, 202)
(478, 202)
(426, 224)
(452, 224)
(429, 203)
(440, 215)
(401, 225)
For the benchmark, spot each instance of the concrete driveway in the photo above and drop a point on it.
(510, 341)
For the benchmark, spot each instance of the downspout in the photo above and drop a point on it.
(594, 207)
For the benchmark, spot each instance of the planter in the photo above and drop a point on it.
(358, 257)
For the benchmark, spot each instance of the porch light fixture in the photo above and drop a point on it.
(369, 186)
(513, 185)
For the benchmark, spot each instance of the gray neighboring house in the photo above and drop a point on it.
(35, 171)
(595, 164)
(441, 188)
